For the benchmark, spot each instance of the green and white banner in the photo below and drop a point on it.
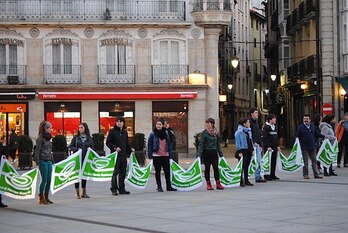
(17, 186)
(138, 176)
(66, 172)
(327, 154)
(186, 180)
(293, 162)
(98, 168)
(266, 163)
(253, 164)
(230, 177)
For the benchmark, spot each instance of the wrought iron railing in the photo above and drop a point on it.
(62, 74)
(6, 71)
(211, 5)
(116, 73)
(91, 10)
(170, 74)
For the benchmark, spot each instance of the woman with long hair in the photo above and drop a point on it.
(83, 141)
(209, 150)
(44, 158)
(244, 147)
(159, 150)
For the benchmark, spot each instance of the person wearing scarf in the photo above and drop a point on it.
(209, 150)
(82, 141)
(159, 149)
(244, 147)
(44, 158)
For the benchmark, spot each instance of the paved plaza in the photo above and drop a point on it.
(289, 205)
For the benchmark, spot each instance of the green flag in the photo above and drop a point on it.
(98, 168)
(138, 176)
(186, 180)
(253, 165)
(17, 186)
(230, 177)
(326, 154)
(293, 162)
(266, 163)
(66, 172)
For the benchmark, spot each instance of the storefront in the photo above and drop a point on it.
(176, 113)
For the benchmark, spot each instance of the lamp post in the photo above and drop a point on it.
(234, 63)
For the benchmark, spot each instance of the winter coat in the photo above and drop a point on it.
(43, 150)
(153, 145)
(209, 142)
(118, 138)
(328, 132)
(76, 143)
(241, 139)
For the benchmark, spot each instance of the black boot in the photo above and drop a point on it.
(2, 205)
(159, 188)
(123, 191)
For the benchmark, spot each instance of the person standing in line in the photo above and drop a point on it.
(209, 150)
(327, 130)
(172, 138)
(13, 145)
(306, 134)
(44, 157)
(225, 136)
(159, 149)
(342, 137)
(83, 141)
(244, 147)
(270, 143)
(256, 135)
(117, 140)
(2, 205)
(318, 137)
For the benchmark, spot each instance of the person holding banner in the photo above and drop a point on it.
(82, 141)
(327, 130)
(44, 157)
(270, 143)
(117, 140)
(256, 135)
(159, 149)
(244, 147)
(306, 134)
(342, 137)
(209, 150)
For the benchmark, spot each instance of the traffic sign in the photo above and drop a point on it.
(327, 109)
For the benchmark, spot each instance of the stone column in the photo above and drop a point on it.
(211, 40)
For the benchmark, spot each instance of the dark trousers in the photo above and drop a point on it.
(83, 184)
(211, 158)
(12, 152)
(120, 173)
(245, 167)
(158, 163)
(273, 162)
(342, 145)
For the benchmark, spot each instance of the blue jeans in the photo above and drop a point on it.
(46, 172)
(258, 159)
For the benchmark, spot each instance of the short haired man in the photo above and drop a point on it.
(270, 143)
(306, 134)
(256, 133)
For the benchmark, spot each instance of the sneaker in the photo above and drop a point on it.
(160, 190)
(248, 184)
(113, 192)
(123, 191)
(268, 178)
(274, 178)
(318, 177)
(260, 181)
(242, 184)
(2, 205)
(306, 177)
(333, 174)
(171, 189)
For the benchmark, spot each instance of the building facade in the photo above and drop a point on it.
(90, 61)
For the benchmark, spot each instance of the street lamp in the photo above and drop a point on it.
(234, 62)
(230, 87)
(273, 77)
(343, 92)
(266, 91)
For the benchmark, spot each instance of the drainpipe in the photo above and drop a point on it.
(338, 42)
(317, 45)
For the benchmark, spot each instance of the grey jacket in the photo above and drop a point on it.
(328, 132)
(43, 150)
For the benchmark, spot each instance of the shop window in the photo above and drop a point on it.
(176, 112)
(65, 118)
(108, 111)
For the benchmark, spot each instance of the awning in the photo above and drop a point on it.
(19, 95)
(344, 83)
(116, 95)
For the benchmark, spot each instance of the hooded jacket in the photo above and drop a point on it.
(327, 130)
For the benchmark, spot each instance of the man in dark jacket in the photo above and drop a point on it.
(117, 140)
(256, 133)
(270, 143)
(306, 134)
(13, 145)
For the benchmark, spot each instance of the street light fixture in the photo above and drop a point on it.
(230, 86)
(266, 91)
(273, 77)
(343, 92)
(235, 62)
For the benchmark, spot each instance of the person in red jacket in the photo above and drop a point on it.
(342, 137)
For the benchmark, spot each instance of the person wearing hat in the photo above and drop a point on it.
(44, 158)
(117, 140)
(342, 137)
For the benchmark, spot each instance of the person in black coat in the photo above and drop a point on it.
(117, 140)
(83, 141)
(270, 143)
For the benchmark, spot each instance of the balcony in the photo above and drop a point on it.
(62, 74)
(289, 28)
(274, 20)
(295, 19)
(91, 10)
(170, 74)
(302, 12)
(311, 64)
(13, 70)
(116, 74)
(303, 67)
(310, 9)
(210, 12)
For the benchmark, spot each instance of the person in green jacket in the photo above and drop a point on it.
(209, 150)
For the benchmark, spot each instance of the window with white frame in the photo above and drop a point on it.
(62, 58)
(11, 55)
(116, 59)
